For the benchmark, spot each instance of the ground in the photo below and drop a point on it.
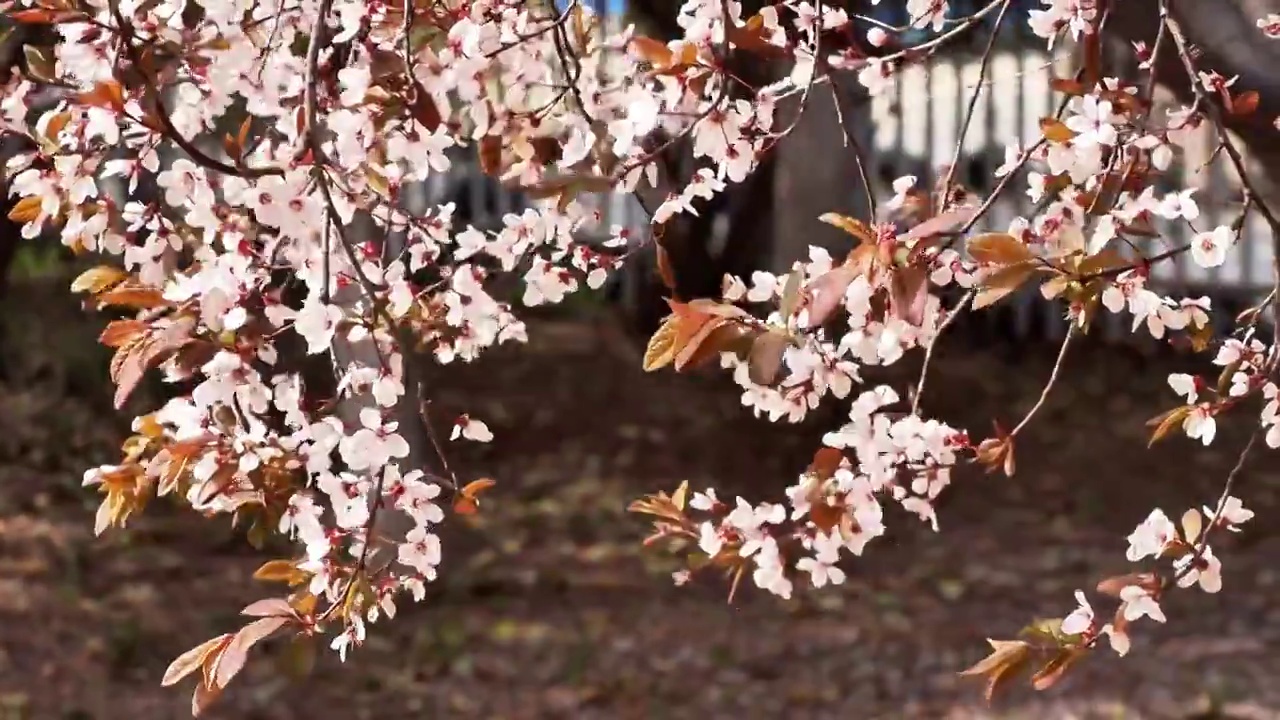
(548, 607)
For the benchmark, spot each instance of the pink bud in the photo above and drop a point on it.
(877, 37)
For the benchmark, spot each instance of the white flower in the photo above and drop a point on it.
(1184, 385)
(1209, 249)
(470, 429)
(1151, 537)
(1081, 619)
(1136, 602)
(1233, 514)
(1205, 570)
(1200, 424)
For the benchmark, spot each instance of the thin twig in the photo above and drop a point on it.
(1053, 379)
(928, 351)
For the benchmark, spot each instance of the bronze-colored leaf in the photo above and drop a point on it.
(654, 52)
(120, 332)
(424, 108)
(467, 501)
(681, 495)
(1166, 422)
(827, 291)
(765, 359)
(999, 284)
(1053, 671)
(277, 571)
(132, 296)
(191, 660)
(1054, 130)
(1245, 104)
(1068, 86)
(1006, 659)
(237, 651)
(943, 223)
(661, 350)
(998, 249)
(909, 294)
(854, 227)
(269, 607)
(26, 210)
(720, 336)
(1192, 524)
(105, 94)
(56, 124)
(491, 154)
(1113, 585)
(825, 462)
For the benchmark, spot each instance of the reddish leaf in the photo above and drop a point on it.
(1246, 103)
(120, 332)
(661, 350)
(1002, 282)
(1053, 671)
(491, 154)
(468, 500)
(853, 226)
(998, 249)
(1054, 130)
(1113, 585)
(106, 94)
(765, 359)
(1068, 86)
(943, 223)
(232, 659)
(909, 294)
(269, 607)
(423, 109)
(203, 698)
(652, 51)
(825, 462)
(44, 16)
(1007, 658)
(189, 661)
(722, 336)
(826, 293)
(26, 210)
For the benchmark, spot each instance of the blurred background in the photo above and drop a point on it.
(547, 605)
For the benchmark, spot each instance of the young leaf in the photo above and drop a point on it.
(26, 210)
(854, 227)
(1166, 422)
(1192, 523)
(1055, 130)
(1007, 658)
(652, 51)
(661, 350)
(468, 500)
